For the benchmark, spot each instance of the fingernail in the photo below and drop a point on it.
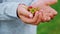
(48, 19)
(30, 15)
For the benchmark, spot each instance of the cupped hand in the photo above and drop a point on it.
(26, 16)
(30, 20)
(22, 9)
(47, 13)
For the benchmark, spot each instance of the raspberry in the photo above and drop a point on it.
(32, 10)
(30, 7)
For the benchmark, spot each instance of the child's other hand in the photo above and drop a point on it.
(47, 13)
(40, 3)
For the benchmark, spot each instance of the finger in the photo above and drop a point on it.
(35, 17)
(25, 19)
(48, 11)
(39, 18)
(51, 15)
(48, 19)
(28, 20)
(45, 15)
(44, 18)
(24, 11)
(53, 11)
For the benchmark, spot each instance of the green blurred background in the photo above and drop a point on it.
(52, 27)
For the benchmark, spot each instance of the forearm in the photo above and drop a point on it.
(50, 2)
(40, 3)
(8, 10)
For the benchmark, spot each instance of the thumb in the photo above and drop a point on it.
(23, 11)
(39, 19)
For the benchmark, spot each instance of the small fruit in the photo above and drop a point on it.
(32, 10)
(30, 7)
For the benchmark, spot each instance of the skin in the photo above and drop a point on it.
(47, 12)
(44, 14)
(23, 15)
(40, 3)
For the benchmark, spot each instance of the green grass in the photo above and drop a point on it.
(52, 27)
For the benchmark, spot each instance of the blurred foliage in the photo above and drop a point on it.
(52, 27)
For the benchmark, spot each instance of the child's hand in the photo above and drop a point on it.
(26, 16)
(30, 20)
(47, 13)
(22, 9)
